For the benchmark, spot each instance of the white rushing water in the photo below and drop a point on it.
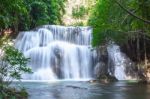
(119, 63)
(117, 58)
(57, 52)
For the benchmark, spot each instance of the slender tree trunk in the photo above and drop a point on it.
(138, 48)
(16, 23)
(144, 26)
(145, 52)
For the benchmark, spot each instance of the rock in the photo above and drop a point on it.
(75, 87)
(100, 69)
(101, 72)
(148, 75)
(105, 81)
(144, 76)
(58, 53)
(93, 81)
(108, 78)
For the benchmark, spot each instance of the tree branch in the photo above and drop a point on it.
(131, 13)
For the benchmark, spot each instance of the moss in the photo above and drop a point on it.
(106, 78)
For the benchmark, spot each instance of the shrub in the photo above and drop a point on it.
(12, 65)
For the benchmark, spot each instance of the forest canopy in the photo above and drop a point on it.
(119, 20)
(123, 21)
(21, 15)
(126, 22)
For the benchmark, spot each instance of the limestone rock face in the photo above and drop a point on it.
(100, 69)
(144, 75)
(101, 72)
(148, 75)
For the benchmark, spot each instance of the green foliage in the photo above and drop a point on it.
(12, 93)
(12, 63)
(38, 14)
(79, 12)
(111, 22)
(23, 15)
(55, 10)
(11, 10)
(78, 24)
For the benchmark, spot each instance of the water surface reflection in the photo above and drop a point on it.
(85, 90)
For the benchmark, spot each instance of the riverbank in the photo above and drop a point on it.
(13, 93)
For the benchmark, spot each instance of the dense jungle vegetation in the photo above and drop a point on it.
(127, 22)
(20, 15)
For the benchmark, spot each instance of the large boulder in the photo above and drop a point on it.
(100, 69)
(148, 75)
(102, 74)
(144, 75)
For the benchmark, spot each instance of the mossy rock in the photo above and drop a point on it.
(107, 78)
(144, 75)
(104, 79)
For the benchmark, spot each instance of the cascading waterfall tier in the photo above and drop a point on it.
(117, 59)
(120, 65)
(57, 52)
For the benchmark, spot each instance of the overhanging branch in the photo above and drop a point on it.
(131, 13)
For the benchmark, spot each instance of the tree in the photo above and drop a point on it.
(124, 21)
(39, 14)
(55, 10)
(21, 15)
(12, 65)
(11, 11)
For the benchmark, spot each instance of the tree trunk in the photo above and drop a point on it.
(16, 23)
(138, 48)
(145, 53)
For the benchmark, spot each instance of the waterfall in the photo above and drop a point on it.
(120, 65)
(57, 52)
(60, 52)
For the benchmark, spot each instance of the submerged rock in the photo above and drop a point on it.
(75, 87)
(148, 75)
(105, 78)
(108, 78)
(93, 81)
(145, 76)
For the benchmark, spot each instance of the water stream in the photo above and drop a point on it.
(57, 52)
(61, 52)
(63, 56)
(86, 90)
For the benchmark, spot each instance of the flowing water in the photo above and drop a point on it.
(86, 90)
(120, 64)
(118, 60)
(60, 52)
(63, 56)
(57, 52)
